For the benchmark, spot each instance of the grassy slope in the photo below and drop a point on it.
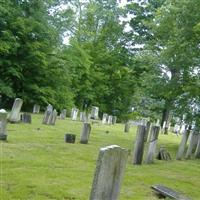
(38, 165)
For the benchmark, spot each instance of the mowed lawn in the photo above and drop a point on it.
(36, 164)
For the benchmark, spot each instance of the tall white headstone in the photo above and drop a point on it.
(3, 124)
(95, 112)
(15, 112)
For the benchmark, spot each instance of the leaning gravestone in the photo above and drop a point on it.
(85, 133)
(63, 114)
(95, 112)
(47, 114)
(197, 151)
(104, 118)
(181, 148)
(53, 117)
(15, 112)
(36, 109)
(152, 144)
(139, 145)
(26, 118)
(109, 172)
(3, 123)
(191, 145)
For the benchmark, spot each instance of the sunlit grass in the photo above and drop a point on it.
(36, 164)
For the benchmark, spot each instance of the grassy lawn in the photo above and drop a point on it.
(36, 164)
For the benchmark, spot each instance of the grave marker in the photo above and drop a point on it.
(63, 114)
(15, 112)
(3, 124)
(95, 112)
(85, 133)
(36, 109)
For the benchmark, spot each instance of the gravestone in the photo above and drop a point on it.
(36, 109)
(47, 114)
(70, 138)
(15, 112)
(181, 148)
(63, 114)
(3, 124)
(163, 154)
(139, 145)
(127, 127)
(197, 151)
(95, 112)
(109, 172)
(82, 116)
(74, 114)
(110, 117)
(114, 120)
(191, 145)
(26, 118)
(53, 117)
(85, 133)
(104, 118)
(152, 144)
(148, 124)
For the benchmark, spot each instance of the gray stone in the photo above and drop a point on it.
(47, 114)
(85, 133)
(127, 127)
(36, 109)
(15, 112)
(104, 118)
(95, 112)
(139, 145)
(191, 145)
(74, 114)
(53, 117)
(109, 172)
(182, 145)
(26, 118)
(3, 124)
(152, 144)
(197, 151)
(82, 116)
(148, 124)
(114, 120)
(110, 117)
(63, 114)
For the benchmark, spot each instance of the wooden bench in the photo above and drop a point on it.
(167, 192)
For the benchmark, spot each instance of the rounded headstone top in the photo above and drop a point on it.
(2, 111)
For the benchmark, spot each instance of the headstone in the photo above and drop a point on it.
(85, 133)
(3, 124)
(176, 128)
(104, 118)
(163, 154)
(15, 112)
(95, 112)
(26, 118)
(181, 149)
(152, 144)
(82, 116)
(109, 172)
(110, 117)
(114, 120)
(74, 114)
(47, 114)
(158, 122)
(126, 127)
(197, 151)
(148, 124)
(191, 145)
(53, 117)
(139, 145)
(63, 114)
(70, 138)
(36, 109)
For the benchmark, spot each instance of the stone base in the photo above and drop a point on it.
(3, 137)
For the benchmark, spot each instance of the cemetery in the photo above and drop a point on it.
(99, 100)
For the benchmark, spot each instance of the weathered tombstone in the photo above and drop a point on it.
(191, 145)
(95, 112)
(70, 138)
(163, 154)
(63, 114)
(114, 120)
(126, 127)
(74, 114)
(139, 145)
(53, 117)
(85, 133)
(158, 122)
(82, 116)
(3, 124)
(15, 112)
(47, 114)
(109, 172)
(26, 118)
(181, 148)
(197, 151)
(36, 108)
(148, 124)
(152, 144)
(104, 118)
(110, 119)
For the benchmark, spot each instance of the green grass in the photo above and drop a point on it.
(36, 164)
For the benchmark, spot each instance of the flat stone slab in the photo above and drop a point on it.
(167, 192)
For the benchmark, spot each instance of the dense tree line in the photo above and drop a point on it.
(153, 67)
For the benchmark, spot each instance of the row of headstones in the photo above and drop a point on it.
(193, 149)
